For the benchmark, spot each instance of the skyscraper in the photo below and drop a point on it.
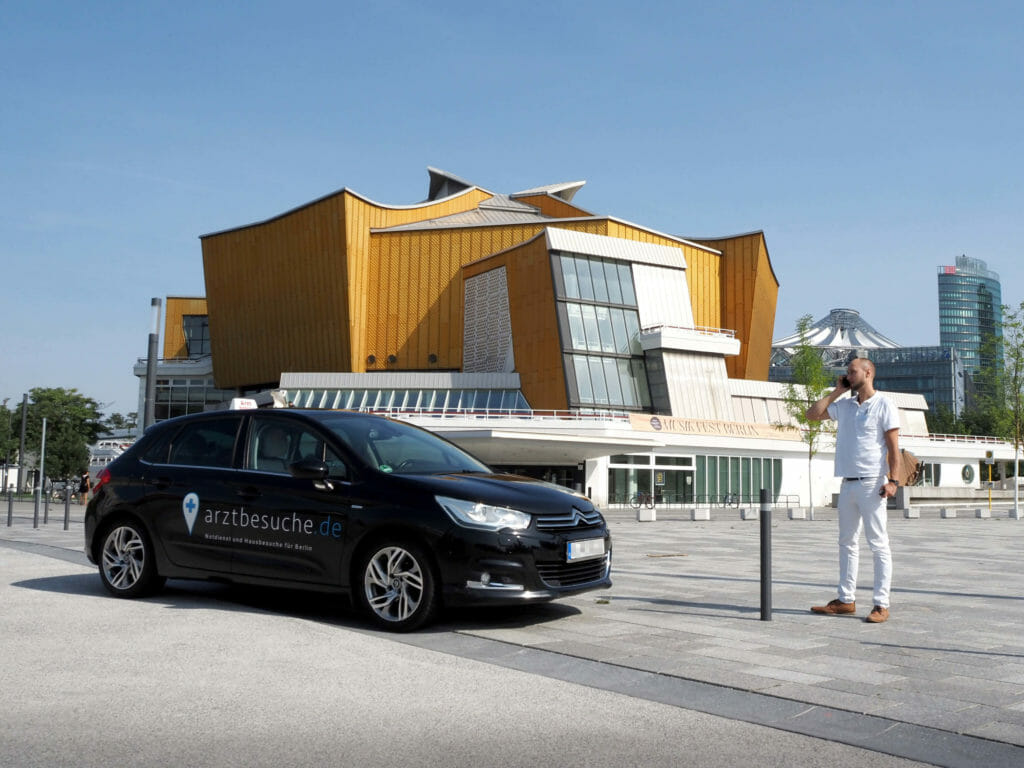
(970, 312)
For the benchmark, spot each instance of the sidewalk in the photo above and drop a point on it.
(685, 608)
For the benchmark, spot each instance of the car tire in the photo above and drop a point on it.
(127, 562)
(396, 586)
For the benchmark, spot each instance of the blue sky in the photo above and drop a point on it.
(871, 141)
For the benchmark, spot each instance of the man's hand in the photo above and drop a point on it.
(889, 489)
(819, 411)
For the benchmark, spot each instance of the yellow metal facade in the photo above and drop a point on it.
(327, 287)
(531, 299)
(749, 292)
(175, 309)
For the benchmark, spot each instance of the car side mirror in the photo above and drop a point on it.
(309, 469)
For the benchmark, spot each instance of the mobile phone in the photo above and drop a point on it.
(846, 382)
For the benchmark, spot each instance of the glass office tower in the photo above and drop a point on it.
(970, 312)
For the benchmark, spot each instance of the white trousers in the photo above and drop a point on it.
(860, 507)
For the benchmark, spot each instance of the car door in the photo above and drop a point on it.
(189, 498)
(290, 528)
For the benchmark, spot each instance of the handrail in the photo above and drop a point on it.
(702, 329)
(499, 413)
(940, 437)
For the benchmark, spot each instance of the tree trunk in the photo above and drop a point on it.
(810, 489)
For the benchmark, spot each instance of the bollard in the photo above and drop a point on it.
(35, 509)
(67, 507)
(10, 508)
(766, 556)
(46, 507)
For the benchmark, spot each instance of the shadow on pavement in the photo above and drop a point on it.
(327, 608)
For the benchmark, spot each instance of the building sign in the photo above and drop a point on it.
(683, 426)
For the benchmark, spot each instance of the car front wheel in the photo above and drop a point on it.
(127, 565)
(398, 590)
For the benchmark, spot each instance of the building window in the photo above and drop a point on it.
(600, 326)
(719, 476)
(695, 480)
(197, 335)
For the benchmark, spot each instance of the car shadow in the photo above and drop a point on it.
(323, 607)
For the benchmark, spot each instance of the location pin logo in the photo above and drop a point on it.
(190, 508)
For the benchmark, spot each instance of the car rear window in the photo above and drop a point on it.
(208, 443)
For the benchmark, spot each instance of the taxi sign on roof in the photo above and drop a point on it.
(242, 403)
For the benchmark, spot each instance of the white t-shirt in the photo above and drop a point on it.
(860, 440)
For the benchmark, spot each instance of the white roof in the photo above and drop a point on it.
(614, 248)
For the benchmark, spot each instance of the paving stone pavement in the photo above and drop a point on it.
(686, 604)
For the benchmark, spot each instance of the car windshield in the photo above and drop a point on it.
(390, 446)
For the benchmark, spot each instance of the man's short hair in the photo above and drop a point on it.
(868, 365)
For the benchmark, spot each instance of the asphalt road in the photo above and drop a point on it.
(206, 675)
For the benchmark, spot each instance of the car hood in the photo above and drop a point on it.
(523, 493)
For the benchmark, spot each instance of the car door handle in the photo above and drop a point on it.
(248, 492)
(161, 483)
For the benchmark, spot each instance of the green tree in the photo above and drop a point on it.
(118, 421)
(8, 436)
(942, 421)
(986, 412)
(1013, 387)
(72, 423)
(812, 380)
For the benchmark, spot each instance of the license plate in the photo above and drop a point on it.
(584, 549)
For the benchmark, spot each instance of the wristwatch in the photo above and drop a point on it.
(892, 480)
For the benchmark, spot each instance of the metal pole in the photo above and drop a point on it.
(42, 473)
(990, 486)
(35, 505)
(67, 507)
(22, 482)
(1016, 481)
(10, 507)
(149, 416)
(766, 556)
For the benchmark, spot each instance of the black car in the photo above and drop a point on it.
(391, 514)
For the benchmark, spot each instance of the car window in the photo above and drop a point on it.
(205, 443)
(278, 444)
(272, 449)
(391, 446)
(154, 451)
(312, 446)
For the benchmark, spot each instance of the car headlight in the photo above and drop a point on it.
(475, 514)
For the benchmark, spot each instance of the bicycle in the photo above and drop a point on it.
(731, 500)
(642, 499)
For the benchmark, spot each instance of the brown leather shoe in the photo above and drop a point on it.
(878, 615)
(835, 608)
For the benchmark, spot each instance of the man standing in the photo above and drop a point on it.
(867, 458)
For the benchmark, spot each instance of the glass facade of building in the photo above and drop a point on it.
(600, 331)
(434, 401)
(970, 311)
(197, 335)
(180, 395)
(937, 373)
(700, 479)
